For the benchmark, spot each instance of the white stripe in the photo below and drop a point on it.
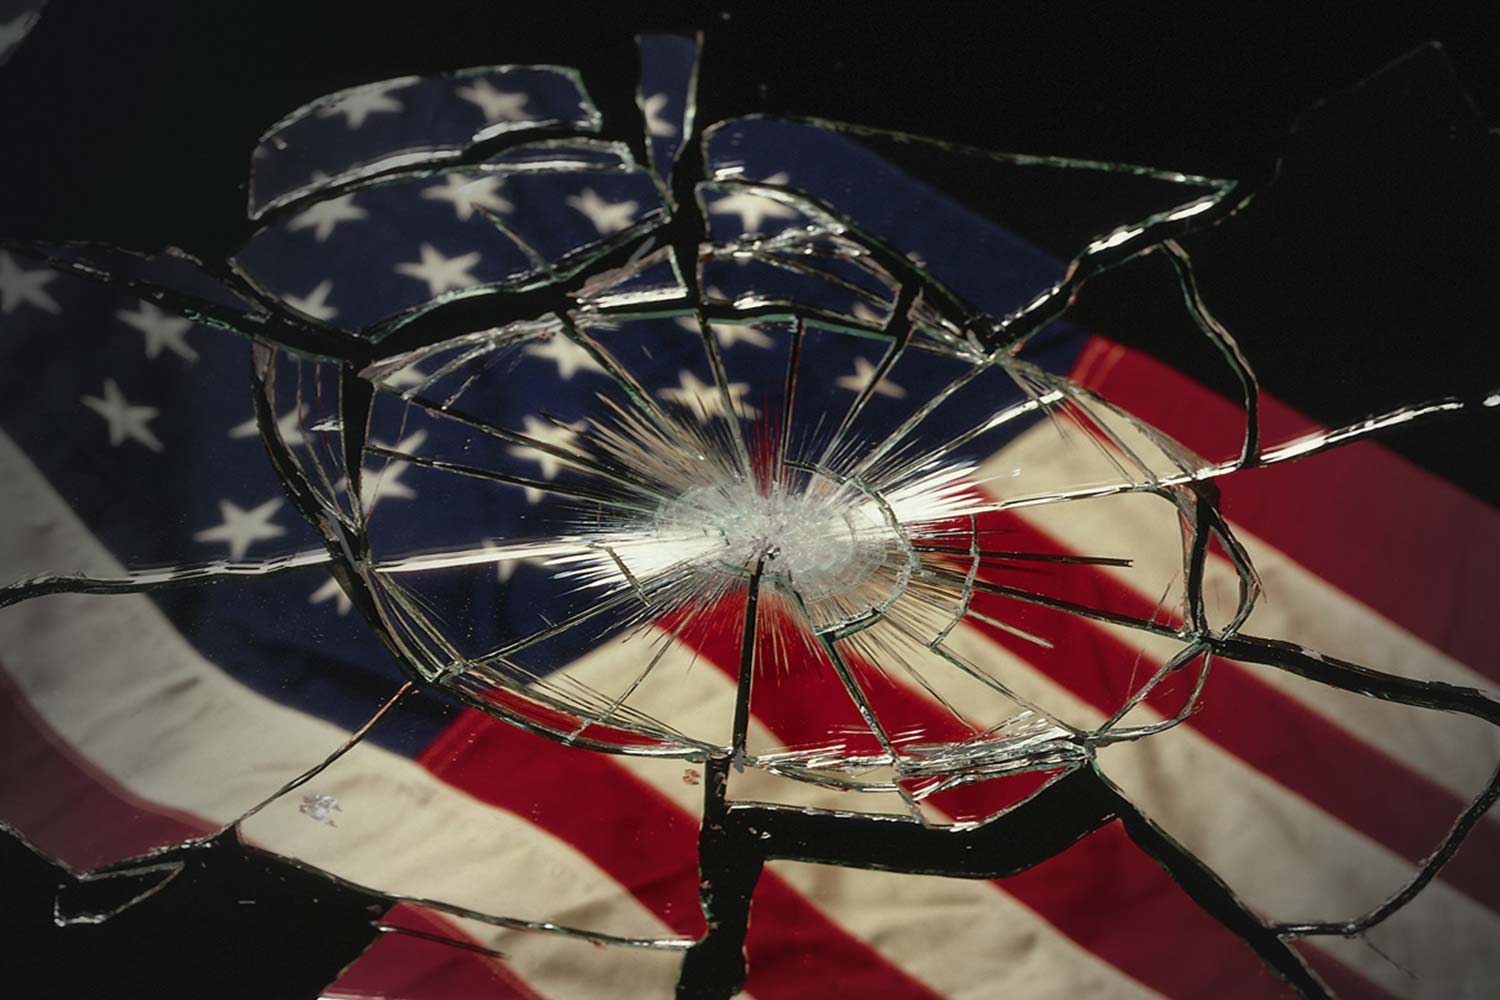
(963, 938)
(1456, 753)
(113, 678)
(1281, 853)
(1297, 606)
(563, 968)
(402, 830)
(1463, 970)
(116, 680)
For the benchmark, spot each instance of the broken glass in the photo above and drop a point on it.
(16, 21)
(406, 121)
(467, 244)
(667, 97)
(821, 564)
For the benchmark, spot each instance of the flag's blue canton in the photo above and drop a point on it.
(984, 264)
(393, 247)
(732, 214)
(560, 215)
(387, 123)
(189, 483)
(668, 69)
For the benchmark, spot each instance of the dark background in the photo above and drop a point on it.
(1360, 279)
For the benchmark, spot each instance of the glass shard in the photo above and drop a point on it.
(667, 96)
(19, 19)
(654, 278)
(443, 236)
(407, 121)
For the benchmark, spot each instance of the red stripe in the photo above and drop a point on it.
(1345, 983)
(648, 844)
(413, 969)
(1124, 908)
(560, 723)
(82, 817)
(1351, 780)
(1106, 898)
(1411, 545)
(67, 807)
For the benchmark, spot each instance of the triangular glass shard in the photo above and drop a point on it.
(654, 278)
(667, 96)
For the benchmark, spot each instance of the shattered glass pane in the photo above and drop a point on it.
(560, 539)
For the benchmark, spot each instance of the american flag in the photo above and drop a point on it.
(136, 721)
